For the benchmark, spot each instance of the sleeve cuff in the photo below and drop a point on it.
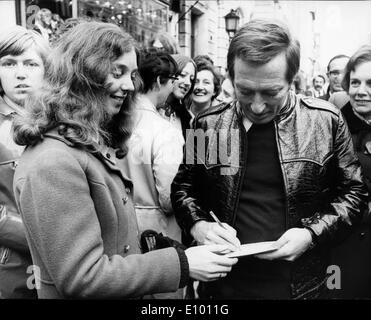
(184, 268)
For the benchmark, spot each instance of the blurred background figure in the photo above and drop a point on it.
(226, 94)
(176, 108)
(353, 256)
(318, 86)
(298, 84)
(207, 88)
(55, 25)
(43, 23)
(164, 42)
(335, 74)
(22, 57)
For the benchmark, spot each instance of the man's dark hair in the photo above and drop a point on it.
(362, 55)
(153, 65)
(339, 56)
(259, 41)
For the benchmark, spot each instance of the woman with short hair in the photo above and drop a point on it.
(22, 57)
(353, 256)
(206, 89)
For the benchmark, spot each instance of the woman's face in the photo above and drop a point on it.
(360, 89)
(184, 82)
(120, 81)
(204, 88)
(21, 75)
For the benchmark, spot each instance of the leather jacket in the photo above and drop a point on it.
(322, 178)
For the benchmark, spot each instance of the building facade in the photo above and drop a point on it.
(324, 28)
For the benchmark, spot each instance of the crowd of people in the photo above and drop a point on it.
(130, 172)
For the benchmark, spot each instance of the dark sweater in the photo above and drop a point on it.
(260, 217)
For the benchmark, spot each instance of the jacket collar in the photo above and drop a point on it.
(105, 154)
(283, 113)
(8, 110)
(145, 104)
(355, 123)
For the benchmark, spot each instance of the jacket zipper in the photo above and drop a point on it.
(244, 139)
(283, 174)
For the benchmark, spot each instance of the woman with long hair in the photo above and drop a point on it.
(22, 57)
(75, 201)
(176, 107)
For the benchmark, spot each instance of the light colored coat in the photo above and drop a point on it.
(155, 152)
(81, 226)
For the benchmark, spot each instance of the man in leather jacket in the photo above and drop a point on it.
(273, 166)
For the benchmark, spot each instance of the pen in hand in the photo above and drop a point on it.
(215, 218)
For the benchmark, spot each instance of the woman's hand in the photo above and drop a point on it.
(207, 263)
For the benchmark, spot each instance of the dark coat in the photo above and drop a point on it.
(353, 256)
(322, 177)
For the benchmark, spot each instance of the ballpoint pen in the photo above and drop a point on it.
(220, 224)
(217, 220)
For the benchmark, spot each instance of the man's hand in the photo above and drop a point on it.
(211, 233)
(292, 244)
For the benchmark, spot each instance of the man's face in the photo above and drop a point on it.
(318, 83)
(261, 90)
(336, 74)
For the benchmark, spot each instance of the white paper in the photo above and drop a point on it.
(254, 248)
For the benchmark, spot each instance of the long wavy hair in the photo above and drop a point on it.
(74, 97)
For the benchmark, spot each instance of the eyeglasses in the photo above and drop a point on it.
(172, 78)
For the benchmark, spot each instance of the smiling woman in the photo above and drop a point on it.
(76, 203)
(356, 264)
(207, 87)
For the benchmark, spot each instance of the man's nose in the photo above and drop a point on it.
(258, 105)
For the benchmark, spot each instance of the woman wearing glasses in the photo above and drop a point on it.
(155, 150)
